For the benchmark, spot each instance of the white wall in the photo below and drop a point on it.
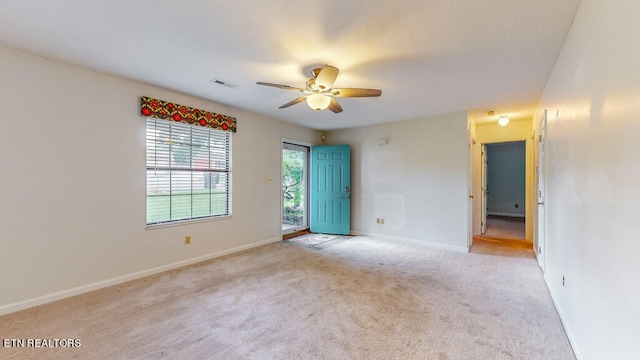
(73, 175)
(417, 182)
(593, 180)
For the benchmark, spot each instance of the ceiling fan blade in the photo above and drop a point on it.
(285, 87)
(355, 92)
(326, 77)
(293, 102)
(335, 106)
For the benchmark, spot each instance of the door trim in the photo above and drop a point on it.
(530, 185)
(484, 207)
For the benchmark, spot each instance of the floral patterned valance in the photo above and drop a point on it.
(166, 110)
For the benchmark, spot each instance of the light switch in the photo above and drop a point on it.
(268, 180)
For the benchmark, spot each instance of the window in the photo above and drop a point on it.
(188, 172)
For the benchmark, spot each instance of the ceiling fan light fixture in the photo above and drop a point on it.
(318, 101)
(319, 92)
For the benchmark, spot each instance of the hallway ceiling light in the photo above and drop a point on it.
(503, 121)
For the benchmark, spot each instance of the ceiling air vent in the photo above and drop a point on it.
(221, 82)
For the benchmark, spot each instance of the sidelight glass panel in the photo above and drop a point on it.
(294, 187)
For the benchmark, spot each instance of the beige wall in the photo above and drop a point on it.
(417, 182)
(593, 177)
(73, 183)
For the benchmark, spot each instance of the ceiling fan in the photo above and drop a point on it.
(319, 92)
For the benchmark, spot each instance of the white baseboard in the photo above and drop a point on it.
(562, 320)
(422, 243)
(6, 309)
(506, 214)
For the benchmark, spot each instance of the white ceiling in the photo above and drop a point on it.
(427, 56)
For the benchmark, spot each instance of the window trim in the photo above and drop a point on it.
(187, 221)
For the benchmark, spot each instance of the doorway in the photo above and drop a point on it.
(504, 190)
(295, 189)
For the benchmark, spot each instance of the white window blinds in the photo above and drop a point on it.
(188, 172)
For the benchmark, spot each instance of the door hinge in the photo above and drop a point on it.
(540, 138)
(539, 250)
(481, 223)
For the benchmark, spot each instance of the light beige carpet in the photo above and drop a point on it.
(311, 239)
(505, 227)
(351, 298)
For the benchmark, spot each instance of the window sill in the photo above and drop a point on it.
(187, 222)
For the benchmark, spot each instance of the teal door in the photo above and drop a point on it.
(330, 194)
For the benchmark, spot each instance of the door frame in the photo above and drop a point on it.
(529, 182)
(484, 207)
(306, 185)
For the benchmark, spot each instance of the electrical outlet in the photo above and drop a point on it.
(268, 180)
(381, 221)
(377, 220)
(187, 240)
(562, 280)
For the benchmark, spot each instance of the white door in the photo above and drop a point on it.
(539, 235)
(485, 191)
(472, 141)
